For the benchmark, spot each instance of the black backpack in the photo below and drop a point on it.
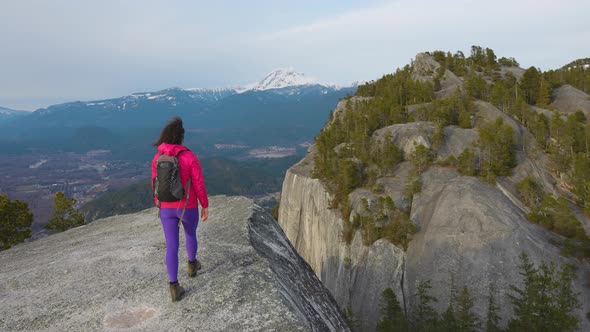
(167, 186)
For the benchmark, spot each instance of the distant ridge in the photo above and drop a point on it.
(6, 113)
(278, 79)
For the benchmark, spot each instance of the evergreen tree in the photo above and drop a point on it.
(64, 215)
(497, 146)
(448, 321)
(529, 84)
(466, 163)
(478, 56)
(391, 155)
(15, 222)
(493, 316)
(581, 178)
(538, 125)
(438, 138)
(436, 81)
(467, 321)
(566, 300)
(476, 86)
(546, 301)
(491, 63)
(530, 191)
(353, 322)
(556, 215)
(425, 317)
(392, 316)
(523, 298)
(561, 147)
(421, 158)
(509, 62)
(500, 96)
(544, 97)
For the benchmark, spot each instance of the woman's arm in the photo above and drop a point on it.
(198, 183)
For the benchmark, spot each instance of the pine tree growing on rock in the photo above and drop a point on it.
(466, 163)
(392, 315)
(449, 321)
(493, 317)
(546, 300)
(421, 158)
(544, 98)
(15, 222)
(64, 215)
(425, 317)
(467, 321)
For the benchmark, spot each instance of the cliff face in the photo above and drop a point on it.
(473, 232)
(469, 230)
(356, 274)
(110, 275)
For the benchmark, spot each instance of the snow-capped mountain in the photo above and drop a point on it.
(285, 78)
(172, 97)
(285, 82)
(278, 93)
(280, 81)
(281, 78)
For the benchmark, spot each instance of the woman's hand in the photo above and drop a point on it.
(204, 214)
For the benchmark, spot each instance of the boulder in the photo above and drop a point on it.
(407, 136)
(567, 99)
(456, 140)
(515, 71)
(424, 67)
(449, 84)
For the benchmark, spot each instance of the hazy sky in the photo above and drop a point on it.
(66, 50)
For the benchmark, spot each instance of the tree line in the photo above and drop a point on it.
(16, 219)
(544, 300)
(348, 156)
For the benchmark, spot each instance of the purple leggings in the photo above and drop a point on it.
(170, 223)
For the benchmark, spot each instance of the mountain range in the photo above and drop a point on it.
(285, 101)
(281, 85)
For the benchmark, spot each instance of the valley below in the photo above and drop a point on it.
(35, 177)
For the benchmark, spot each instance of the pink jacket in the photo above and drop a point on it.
(189, 167)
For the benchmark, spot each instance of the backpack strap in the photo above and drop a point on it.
(188, 194)
(188, 191)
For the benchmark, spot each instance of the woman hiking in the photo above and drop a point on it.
(173, 210)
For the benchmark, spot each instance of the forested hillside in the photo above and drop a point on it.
(350, 155)
(437, 182)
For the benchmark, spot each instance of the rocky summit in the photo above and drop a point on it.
(110, 276)
(469, 232)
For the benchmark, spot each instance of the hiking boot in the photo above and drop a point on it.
(176, 291)
(193, 267)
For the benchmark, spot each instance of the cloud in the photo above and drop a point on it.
(69, 50)
(375, 40)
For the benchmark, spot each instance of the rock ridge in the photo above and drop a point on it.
(110, 276)
(467, 229)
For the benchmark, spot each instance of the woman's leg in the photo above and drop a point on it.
(169, 221)
(189, 223)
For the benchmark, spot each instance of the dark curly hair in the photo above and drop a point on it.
(173, 133)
